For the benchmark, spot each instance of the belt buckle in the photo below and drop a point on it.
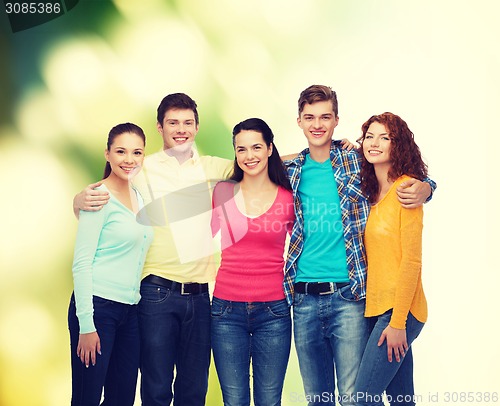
(183, 292)
(331, 290)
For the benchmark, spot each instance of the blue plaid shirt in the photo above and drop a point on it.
(346, 166)
(355, 208)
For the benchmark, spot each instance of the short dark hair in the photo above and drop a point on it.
(275, 167)
(318, 93)
(179, 101)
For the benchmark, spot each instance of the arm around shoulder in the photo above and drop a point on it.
(90, 199)
(413, 193)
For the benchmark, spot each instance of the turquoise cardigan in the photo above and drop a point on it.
(109, 256)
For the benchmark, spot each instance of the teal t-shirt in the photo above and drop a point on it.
(323, 258)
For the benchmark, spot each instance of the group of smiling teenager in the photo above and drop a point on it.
(143, 263)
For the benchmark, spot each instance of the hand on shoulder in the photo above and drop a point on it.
(90, 198)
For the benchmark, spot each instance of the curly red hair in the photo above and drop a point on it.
(405, 158)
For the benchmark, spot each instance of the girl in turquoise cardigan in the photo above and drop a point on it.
(109, 255)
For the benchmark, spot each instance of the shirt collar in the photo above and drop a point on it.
(300, 158)
(162, 156)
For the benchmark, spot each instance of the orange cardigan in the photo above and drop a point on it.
(393, 242)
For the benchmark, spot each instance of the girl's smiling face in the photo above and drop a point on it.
(125, 155)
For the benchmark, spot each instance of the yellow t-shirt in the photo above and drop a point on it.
(178, 206)
(393, 242)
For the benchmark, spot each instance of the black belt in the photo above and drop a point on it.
(319, 288)
(183, 288)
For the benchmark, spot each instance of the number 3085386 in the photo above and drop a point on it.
(32, 8)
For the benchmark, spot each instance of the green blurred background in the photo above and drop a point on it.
(65, 83)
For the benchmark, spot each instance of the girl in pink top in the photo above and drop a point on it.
(250, 316)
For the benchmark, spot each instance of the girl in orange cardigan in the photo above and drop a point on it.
(395, 300)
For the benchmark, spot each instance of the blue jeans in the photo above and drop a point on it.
(377, 374)
(117, 367)
(175, 332)
(257, 332)
(330, 336)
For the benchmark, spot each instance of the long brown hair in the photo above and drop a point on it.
(405, 157)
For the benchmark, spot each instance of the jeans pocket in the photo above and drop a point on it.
(279, 309)
(205, 298)
(298, 298)
(154, 293)
(346, 294)
(219, 307)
